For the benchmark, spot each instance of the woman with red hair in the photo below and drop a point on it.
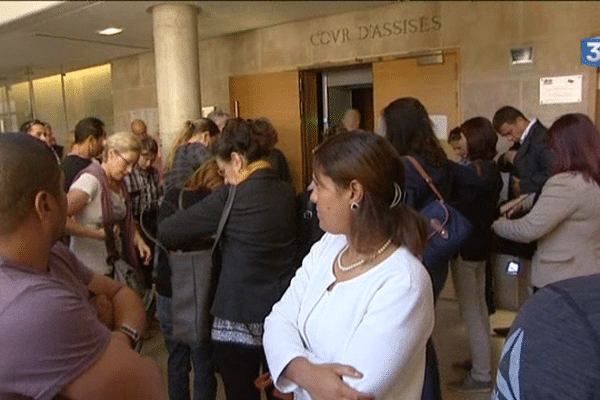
(566, 217)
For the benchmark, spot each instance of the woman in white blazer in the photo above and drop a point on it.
(355, 320)
(566, 217)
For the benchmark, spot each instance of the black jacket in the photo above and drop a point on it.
(477, 191)
(257, 244)
(533, 162)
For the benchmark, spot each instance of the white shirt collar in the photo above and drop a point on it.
(526, 131)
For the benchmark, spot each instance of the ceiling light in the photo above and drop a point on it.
(112, 31)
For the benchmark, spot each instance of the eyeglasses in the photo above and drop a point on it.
(127, 162)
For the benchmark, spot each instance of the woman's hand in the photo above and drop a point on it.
(324, 381)
(142, 248)
(518, 205)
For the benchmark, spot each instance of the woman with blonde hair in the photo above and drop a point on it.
(100, 208)
(190, 150)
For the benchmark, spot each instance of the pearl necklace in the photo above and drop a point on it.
(359, 262)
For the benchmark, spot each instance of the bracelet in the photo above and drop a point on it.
(132, 334)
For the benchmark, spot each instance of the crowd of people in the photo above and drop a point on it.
(345, 311)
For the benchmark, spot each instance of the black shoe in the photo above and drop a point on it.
(502, 332)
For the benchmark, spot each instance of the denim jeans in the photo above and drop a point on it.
(178, 364)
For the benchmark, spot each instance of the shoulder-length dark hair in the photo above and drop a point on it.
(409, 130)
(252, 138)
(372, 161)
(481, 138)
(575, 146)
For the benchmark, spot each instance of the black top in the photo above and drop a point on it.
(477, 191)
(257, 245)
(418, 193)
(71, 166)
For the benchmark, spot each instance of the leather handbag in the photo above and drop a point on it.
(447, 227)
(194, 279)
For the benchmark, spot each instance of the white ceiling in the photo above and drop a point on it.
(48, 36)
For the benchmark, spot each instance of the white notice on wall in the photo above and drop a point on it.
(561, 89)
(440, 126)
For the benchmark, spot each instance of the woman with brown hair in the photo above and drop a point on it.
(408, 127)
(565, 219)
(356, 318)
(410, 131)
(478, 202)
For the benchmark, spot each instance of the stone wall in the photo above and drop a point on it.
(134, 92)
(482, 32)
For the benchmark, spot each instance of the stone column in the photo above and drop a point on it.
(177, 68)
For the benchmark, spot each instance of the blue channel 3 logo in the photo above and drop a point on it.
(590, 51)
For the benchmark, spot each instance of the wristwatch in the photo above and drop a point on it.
(132, 333)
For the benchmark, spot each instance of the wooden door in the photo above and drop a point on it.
(277, 97)
(436, 86)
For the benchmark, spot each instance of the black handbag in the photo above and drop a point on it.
(448, 228)
(194, 279)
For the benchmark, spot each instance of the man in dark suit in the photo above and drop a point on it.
(532, 161)
(529, 162)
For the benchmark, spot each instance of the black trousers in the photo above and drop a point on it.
(239, 365)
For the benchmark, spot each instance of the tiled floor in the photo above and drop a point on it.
(450, 337)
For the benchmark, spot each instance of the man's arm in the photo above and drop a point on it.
(119, 373)
(127, 306)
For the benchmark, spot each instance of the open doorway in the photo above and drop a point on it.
(344, 89)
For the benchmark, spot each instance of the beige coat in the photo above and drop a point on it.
(566, 222)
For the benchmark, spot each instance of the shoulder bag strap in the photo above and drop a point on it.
(180, 199)
(425, 177)
(225, 215)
